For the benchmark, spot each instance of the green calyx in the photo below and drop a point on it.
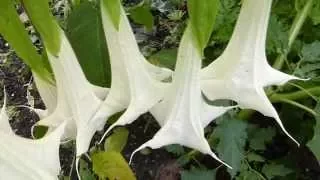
(202, 15)
(113, 8)
(46, 25)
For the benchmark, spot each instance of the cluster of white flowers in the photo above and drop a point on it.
(77, 109)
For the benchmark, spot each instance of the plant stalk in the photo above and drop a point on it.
(294, 31)
(277, 97)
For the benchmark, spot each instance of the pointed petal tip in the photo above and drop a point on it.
(137, 150)
(106, 133)
(294, 140)
(77, 167)
(285, 131)
(128, 117)
(214, 156)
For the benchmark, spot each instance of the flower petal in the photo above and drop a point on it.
(242, 71)
(182, 104)
(135, 82)
(22, 158)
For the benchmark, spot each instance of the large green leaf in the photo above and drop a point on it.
(85, 32)
(45, 23)
(111, 165)
(260, 136)
(232, 137)
(202, 17)
(117, 141)
(310, 52)
(14, 32)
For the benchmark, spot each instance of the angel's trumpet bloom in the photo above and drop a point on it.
(22, 158)
(80, 103)
(183, 105)
(77, 102)
(242, 71)
(136, 84)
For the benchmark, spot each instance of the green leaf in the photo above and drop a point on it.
(202, 18)
(85, 172)
(85, 32)
(111, 165)
(232, 137)
(14, 32)
(255, 157)
(314, 13)
(197, 174)
(117, 141)
(314, 144)
(175, 149)
(113, 8)
(141, 14)
(165, 57)
(45, 23)
(39, 131)
(273, 170)
(311, 52)
(226, 19)
(260, 136)
(310, 61)
(247, 173)
(277, 38)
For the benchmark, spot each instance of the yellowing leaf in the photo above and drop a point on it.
(117, 141)
(111, 165)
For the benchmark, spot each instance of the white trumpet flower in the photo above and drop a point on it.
(80, 103)
(242, 71)
(136, 84)
(22, 158)
(182, 107)
(77, 101)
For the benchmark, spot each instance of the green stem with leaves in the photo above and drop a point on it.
(294, 31)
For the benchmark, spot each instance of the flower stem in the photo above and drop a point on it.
(300, 106)
(277, 97)
(294, 31)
